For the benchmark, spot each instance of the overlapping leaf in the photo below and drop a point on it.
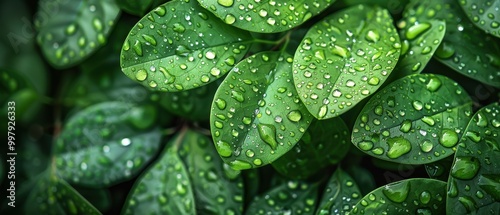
(265, 16)
(325, 143)
(344, 58)
(340, 195)
(474, 181)
(410, 196)
(256, 115)
(106, 143)
(70, 31)
(415, 120)
(179, 46)
(138, 7)
(484, 14)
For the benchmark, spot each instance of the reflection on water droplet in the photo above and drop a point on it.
(448, 138)
(398, 146)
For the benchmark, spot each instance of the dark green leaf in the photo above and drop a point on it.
(265, 16)
(106, 143)
(474, 180)
(439, 169)
(344, 58)
(214, 191)
(395, 7)
(479, 59)
(70, 31)
(325, 143)
(99, 198)
(484, 14)
(52, 195)
(410, 196)
(165, 188)
(251, 178)
(179, 46)
(138, 7)
(362, 177)
(340, 195)
(415, 120)
(294, 197)
(256, 115)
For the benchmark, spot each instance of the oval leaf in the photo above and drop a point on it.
(325, 143)
(106, 143)
(179, 46)
(70, 31)
(410, 196)
(415, 120)
(340, 196)
(265, 16)
(484, 14)
(474, 180)
(344, 58)
(256, 115)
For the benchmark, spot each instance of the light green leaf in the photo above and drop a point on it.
(267, 16)
(484, 14)
(325, 142)
(179, 46)
(474, 180)
(410, 196)
(138, 7)
(415, 120)
(340, 195)
(293, 197)
(344, 58)
(256, 115)
(52, 195)
(71, 31)
(479, 59)
(106, 143)
(165, 188)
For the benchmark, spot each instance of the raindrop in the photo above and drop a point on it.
(220, 103)
(417, 105)
(398, 146)
(465, 167)
(223, 148)
(322, 111)
(448, 138)
(294, 116)
(372, 36)
(179, 28)
(426, 146)
(226, 3)
(405, 126)
(268, 133)
(434, 84)
(237, 96)
(240, 165)
(415, 30)
(425, 197)
(230, 19)
(397, 192)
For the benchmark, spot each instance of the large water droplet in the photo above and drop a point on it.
(226, 3)
(322, 111)
(416, 30)
(398, 146)
(405, 126)
(294, 116)
(237, 96)
(425, 197)
(372, 36)
(448, 138)
(223, 148)
(240, 165)
(179, 28)
(397, 192)
(434, 84)
(141, 75)
(445, 51)
(268, 134)
(220, 103)
(465, 167)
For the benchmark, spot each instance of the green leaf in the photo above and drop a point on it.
(180, 46)
(474, 180)
(483, 65)
(340, 195)
(395, 7)
(165, 188)
(440, 169)
(214, 191)
(294, 197)
(415, 120)
(484, 14)
(138, 7)
(52, 195)
(265, 16)
(410, 196)
(419, 42)
(324, 143)
(256, 115)
(71, 31)
(363, 177)
(106, 143)
(99, 198)
(344, 58)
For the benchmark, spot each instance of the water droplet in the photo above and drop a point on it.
(268, 133)
(322, 111)
(416, 30)
(141, 75)
(137, 47)
(365, 145)
(97, 24)
(125, 142)
(71, 29)
(405, 126)
(398, 146)
(340, 51)
(230, 19)
(210, 55)
(426, 146)
(482, 121)
(226, 3)
(179, 28)
(425, 197)
(434, 84)
(474, 136)
(150, 39)
(445, 51)
(223, 148)
(397, 192)
(372, 36)
(428, 120)
(237, 96)
(294, 116)
(448, 138)
(417, 105)
(465, 168)
(374, 81)
(240, 165)
(221, 104)
(160, 11)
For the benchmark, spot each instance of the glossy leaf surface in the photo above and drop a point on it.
(180, 46)
(474, 180)
(410, 196)
(345, 58)
(484, 14)
(325, 143)
(71, 31)
(138, 7)
(414, 120)
(256, 116)
(278, 15)
(106, 143)
(340, 195)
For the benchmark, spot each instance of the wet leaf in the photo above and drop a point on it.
(395, 7)
(325, 142)
(256, 116)
(484, 14)
(215, 192)
(265, 16)
(138, 7)
(180, 46)
(344, 58)
(164, 188)
(52, 195)
(483, 65)
(415, 120)
(293, 197)
(340, 195)
(106, 143)
(474, 180)
(73, 30)
(410, 196)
